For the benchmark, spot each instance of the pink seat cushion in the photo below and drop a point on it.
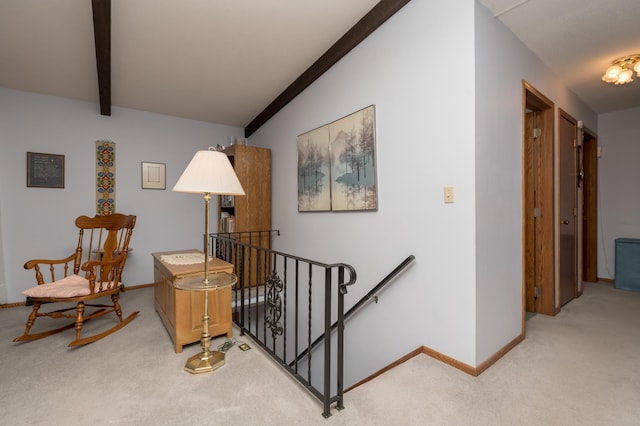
(71, 286)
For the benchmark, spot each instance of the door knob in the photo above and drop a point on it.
(564, 222)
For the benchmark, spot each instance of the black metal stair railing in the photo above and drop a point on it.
(371, 296)
(276, 301)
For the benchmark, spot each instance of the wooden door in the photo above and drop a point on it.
(529, 206)
(590, 206)
(538, 202)
(567, 230)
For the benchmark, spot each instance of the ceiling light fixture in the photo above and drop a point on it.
(621, 70)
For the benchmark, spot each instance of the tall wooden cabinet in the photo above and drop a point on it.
(251, 212)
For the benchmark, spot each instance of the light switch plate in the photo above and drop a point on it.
(449, 196)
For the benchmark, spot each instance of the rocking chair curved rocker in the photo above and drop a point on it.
(96, 270)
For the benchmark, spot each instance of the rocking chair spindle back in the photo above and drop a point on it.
(96, 264)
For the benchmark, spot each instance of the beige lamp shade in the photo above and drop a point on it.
(209, 172)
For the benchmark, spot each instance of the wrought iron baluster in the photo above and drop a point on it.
(284, 340)
(259, 267)
(273, 289)
(297, 317)
(327, 341)
(309, 324)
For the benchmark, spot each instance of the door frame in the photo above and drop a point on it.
(538, 227)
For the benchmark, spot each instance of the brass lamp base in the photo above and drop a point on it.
(203, 363)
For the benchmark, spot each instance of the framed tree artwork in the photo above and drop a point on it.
(314, 171)
(337, 165)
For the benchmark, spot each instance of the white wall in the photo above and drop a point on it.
(502, 62)
(38, 222)
(4, 291)
(498, 184)
(618, 178)
(425, 140)
(435, 127)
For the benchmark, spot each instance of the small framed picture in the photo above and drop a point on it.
(45, 170)
(153, 175)
(227, 201)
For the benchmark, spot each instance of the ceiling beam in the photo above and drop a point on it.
(361, 30)
(102, 36)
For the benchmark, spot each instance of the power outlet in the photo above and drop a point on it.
(449, 195)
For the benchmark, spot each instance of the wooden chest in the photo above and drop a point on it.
(181, 310)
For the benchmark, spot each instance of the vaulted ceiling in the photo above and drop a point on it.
(225, 61)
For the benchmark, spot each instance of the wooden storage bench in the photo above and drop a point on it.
(181, 310)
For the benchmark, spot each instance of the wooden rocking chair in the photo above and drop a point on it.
(96, 268)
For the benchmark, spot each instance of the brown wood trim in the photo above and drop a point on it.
(545, 182)
(102, 37)
(139, 286)
(528, 205)
(606, 280)
(405, 358)
(450, 361)
(538, 101)
(473, 371)
(12, 305)
(361, 30)
(495, 357)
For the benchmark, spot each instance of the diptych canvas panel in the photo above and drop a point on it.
(337, 165)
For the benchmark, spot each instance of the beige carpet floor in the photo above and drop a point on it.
(581, 367)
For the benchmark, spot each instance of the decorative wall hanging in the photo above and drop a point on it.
(153, 175)
(336, 165)
(106, 177)
(314, 171)
(45, 170)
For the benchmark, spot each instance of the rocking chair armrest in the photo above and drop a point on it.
(91, 264)
(30, 264)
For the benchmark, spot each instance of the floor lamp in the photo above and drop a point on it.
(209, 172)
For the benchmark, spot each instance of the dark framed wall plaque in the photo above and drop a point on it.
(45, 170)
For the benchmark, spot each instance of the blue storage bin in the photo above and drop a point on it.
(628, 264)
